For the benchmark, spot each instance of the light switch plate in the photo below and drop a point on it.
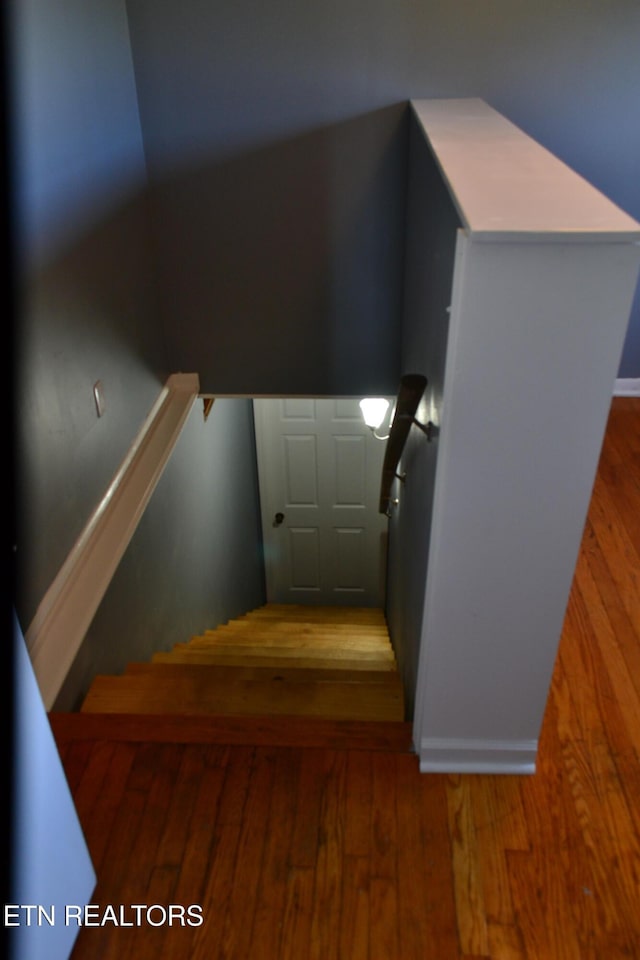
(98, 395)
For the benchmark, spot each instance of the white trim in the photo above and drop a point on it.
(627, 388)
(448, 755)
(69, 605)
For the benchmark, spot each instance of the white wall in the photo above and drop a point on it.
(529, 380)
(50, 861)
(544, 274)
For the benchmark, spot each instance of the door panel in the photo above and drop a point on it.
(349, 455)
(349, 554)
(301, 471)
(304, 558)
(319, 469)
(298, 408)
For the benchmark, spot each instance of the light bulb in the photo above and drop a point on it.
(374, 410)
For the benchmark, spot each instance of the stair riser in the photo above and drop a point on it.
(364, 615)
(333, 700)
(246, 674)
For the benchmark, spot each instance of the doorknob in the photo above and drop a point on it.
(277, 520)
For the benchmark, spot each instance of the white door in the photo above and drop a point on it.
(319, 469)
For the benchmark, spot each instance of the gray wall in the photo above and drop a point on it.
(431, 231)
(86, 309)
(194, 560)
(282, 268)
(276, 139)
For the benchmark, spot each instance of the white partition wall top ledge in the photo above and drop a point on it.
(514, 189)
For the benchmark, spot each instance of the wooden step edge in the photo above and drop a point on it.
(297, 626)
(291, 655)
(292, 642)
(211, 658)
(372, 735)
(262, 674)
(312, 621)
(291, 624)
(384, 651)
(377, 634)
(315, 606)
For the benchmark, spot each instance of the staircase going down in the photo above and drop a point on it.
(332, 663)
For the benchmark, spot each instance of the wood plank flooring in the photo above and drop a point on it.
(331, 851)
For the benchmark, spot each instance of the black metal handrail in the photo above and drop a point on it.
(412, 386)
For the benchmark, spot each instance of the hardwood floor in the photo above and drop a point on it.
(334, 846)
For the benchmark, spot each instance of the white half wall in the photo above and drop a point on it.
(534, 345)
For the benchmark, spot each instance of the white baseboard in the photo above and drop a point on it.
(627, 388)
(443, 755)
(69, 605)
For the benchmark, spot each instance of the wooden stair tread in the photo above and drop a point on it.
(319, 614)
(298, 641)
(289, 674)
(291, 652)
(309, 661)
(325, 649)
(307, 732)
(204, 691)
(274, 624)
